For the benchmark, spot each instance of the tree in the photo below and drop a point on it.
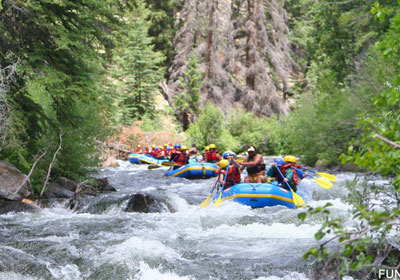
(138, 67)
(188, 101)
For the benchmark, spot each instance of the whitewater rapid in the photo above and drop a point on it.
(179, 241)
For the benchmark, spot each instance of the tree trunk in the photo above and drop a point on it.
(209, 50)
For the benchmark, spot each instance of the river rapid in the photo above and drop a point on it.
(99, 240)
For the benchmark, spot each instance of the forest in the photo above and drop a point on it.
(317, 79)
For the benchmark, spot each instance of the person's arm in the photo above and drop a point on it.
(221, 178)
(258, 159)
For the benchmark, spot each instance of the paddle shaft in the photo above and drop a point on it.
(223, 185)
(283, 177)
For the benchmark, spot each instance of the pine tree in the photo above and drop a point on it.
(137, 66)
(188, 101)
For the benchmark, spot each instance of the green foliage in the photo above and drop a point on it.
(188, 100)
(375, 207)
(137, 67)
(60, 48)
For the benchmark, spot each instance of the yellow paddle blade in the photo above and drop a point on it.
(219, 200)
(327, 176)
(168, 163)
(323, 183)
(240, 159)
(153, 166)
(206, 202)
(297, 200)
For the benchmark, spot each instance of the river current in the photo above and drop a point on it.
(99, 240)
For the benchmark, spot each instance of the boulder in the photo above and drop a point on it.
(7, 206)
(143, 203)
(60, 188)
(111, 162)
(100, 185)
(10, 180)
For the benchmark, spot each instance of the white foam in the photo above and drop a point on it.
(147, 273)
(137, 248)
(289, 276)
(67, 272)
(16, 276)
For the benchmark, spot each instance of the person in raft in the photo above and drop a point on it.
(292, 176)
(255, 167)
(181, 158)
(193, 151)
(234, 166)
(273, 173)
(230, 179)
(175, 152)
(138, 149)
(212, 155)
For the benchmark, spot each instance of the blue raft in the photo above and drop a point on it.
(259, 195)
(194, 171)
(140, 158)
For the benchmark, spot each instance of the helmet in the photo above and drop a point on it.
(279, 161)
(184, 148)
(290, 159)
(212, 146)
(153, 146)
(139, 146)
(156, 148)
(165, 145)
(223, 163)
(160, 147)
(207, 148)
(227, 154)
(177, 146)
(168, 148)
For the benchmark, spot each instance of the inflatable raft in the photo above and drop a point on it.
(259, 195)
(146, 159)
(193, 171)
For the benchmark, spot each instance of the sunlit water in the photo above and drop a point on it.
(98, 240)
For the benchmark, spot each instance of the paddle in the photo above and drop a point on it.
(325, 184)
(206, 202)
(297, 200)
(218, 202)
(154, 166)
(324, 175)
(168, 163)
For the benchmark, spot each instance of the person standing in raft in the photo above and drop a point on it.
(181, 158)
(138, 149)
(255, 167)
(212, 155)
(230, 178)
(292, 176)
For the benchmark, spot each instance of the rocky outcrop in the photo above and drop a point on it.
(60, 188)
(7, 206)
(101, 185)
(144, 203)
(10, 180)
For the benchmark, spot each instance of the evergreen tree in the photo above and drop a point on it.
(188, 101)
(138, 67)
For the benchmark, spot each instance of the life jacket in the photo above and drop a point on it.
(212, 156)
(138, 151)
(193, 151)
(230, 178)
(295, 176)
(236, 174)
(255, 169)
(182, 159)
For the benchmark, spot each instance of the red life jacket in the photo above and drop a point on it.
(182, 159)
(230, 178)
(236, 174)
(295, 176)
(212, 156)
(138, 151)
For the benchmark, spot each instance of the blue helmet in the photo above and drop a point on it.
(168, 148)
(279, 161)
(177, 146)
(156, 148)
(227, 154)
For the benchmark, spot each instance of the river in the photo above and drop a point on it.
(99, 240)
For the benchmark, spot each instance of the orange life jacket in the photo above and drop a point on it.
(295, 176)
(138, 151)
(230, 178)
(182, 159)
(212, 156)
